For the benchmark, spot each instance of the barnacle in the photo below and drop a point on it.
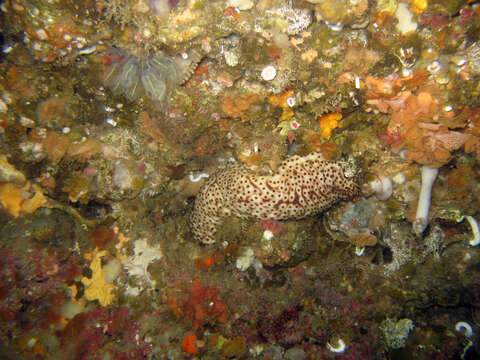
(156, 75)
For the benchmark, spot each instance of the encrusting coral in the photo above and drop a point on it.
(302, 186)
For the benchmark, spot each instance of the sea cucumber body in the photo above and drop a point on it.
(302, 186)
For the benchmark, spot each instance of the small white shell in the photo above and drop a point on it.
(268, 73)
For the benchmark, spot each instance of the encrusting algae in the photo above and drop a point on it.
(95, 287)
(18, 201)
(302, 186)
(328, 123)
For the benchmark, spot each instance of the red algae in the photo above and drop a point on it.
(102, 236)
(273, 226)
(202, 307)
(189, 346)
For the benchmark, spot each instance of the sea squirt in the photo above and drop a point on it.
(155, 75)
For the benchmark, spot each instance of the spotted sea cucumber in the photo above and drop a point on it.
(302, 186)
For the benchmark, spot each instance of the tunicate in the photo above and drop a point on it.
(123, 78)
(70, 309)
(112, 270)
(245, 260)
(154, 86)
(156, 74)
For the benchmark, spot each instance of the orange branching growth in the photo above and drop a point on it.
(56, 145)
(312, 140)
(418, 124)
(388, 86)
(360, 60)
(51, 109)
(83, 150)
(208, 143)
(274, 51)
(328, 150)
(432, 144)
